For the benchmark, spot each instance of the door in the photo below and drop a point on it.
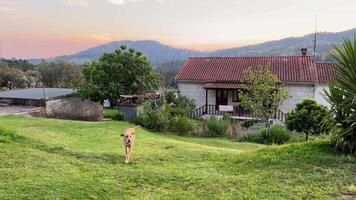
(221, 98)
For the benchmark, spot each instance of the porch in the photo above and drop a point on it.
(222, 98)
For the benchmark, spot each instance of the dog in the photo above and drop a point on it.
(129, 139)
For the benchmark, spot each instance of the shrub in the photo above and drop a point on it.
(155, 118)
(177, 112)
(248, 123)
(276, 135)
(179, 101)
(307, 118)
(181, 125)
(6, 135)
(217, 128)
(341, 96)
(254, 137)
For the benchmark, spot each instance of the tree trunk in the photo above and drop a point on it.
(306, 136)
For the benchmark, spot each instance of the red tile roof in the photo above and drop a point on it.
(222, 85)
(325, 72)
(287, 68)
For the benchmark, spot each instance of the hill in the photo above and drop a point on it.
(160, 53)
(61, 159)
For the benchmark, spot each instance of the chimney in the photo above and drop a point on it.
(304, 51)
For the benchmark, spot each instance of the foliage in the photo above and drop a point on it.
(179, 101)
(264, 93)
(121, 72)
(6, 135)
(248, 123)
(114, 114)
(59, 73)
(307, 118)
(60, 159)
(342, 97)
(155, 117)
(176, 112)
(277, 135)
(216, 127)
(11, 77)
(181, 125)
(22, 65)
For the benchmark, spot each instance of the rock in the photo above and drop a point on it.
(74, 108)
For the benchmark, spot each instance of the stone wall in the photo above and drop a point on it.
(74, 108)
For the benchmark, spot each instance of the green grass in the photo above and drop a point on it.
(110, 113)
(57, 159)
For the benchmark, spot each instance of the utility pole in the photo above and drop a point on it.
(315, 36)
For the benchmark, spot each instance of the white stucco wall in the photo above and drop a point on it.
(319, 94)
(298, 92)
(196, 91)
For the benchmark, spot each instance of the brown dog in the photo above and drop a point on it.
(129, 140)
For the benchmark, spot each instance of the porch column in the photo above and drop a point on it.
(206, 101)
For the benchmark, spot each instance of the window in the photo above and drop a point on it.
(235, 96)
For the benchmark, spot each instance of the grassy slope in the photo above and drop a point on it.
(55, 159)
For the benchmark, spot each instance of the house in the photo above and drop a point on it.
(215, 82)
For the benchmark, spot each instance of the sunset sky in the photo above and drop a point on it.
(45, 28)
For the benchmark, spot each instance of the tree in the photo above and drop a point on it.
(342, 97)
(59, 73)
(121, 72)
(307, 118)
(11, 77)
(263, 94)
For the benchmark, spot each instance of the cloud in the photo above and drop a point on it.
(121, 2)
(76, 2)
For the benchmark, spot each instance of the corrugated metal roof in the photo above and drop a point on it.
(287, 68)
(36, 93)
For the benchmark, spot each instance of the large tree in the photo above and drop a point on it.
(263, 93)
(121, 72)
(342, 97)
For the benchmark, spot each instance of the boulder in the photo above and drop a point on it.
(74, 108)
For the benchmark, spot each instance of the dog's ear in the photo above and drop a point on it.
(122, 135)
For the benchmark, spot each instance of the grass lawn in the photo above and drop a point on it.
(57, 159)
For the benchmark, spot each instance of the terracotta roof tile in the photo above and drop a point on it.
(287, 68)
(325, 72)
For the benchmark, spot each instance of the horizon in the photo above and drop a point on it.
(35, 29)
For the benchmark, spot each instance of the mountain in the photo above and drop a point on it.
(155, 51)
(160, 53)
(291, 46)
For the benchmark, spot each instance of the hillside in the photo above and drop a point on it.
(59, 159)
(160, 53)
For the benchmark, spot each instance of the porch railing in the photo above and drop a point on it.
(213, 110)
(238, 111)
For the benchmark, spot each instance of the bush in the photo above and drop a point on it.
(217, 128)
(177, 112)
(6, 136)
(307, 118)
(248, 123)
(181, 125)
(276, 135)
(254, 137)
(155, 118)
(179, 101)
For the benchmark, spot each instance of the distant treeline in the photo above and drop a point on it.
(22, 74)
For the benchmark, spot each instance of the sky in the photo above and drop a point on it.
(47, 28)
